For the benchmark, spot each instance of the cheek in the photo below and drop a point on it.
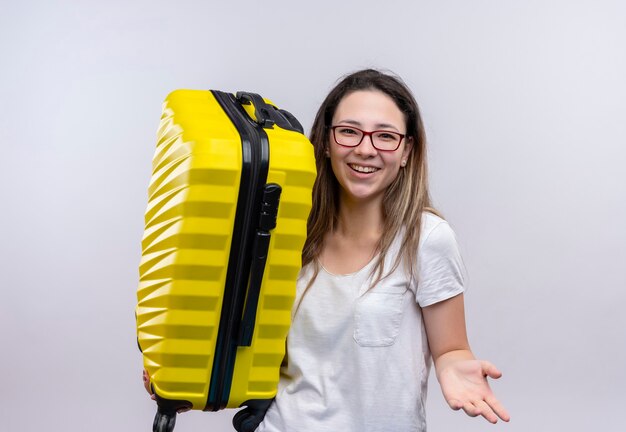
(393, 161)
(393, 169)
(333, 163)
(337, 156)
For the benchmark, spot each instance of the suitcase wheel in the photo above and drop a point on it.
(245, 421)
(248, 419)
(164, 422)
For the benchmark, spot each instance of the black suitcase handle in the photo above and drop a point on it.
(268, 115)
(262, 111)
(267, 222)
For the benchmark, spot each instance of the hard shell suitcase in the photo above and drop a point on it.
(225, 224)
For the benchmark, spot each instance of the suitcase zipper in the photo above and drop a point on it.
(255, 163)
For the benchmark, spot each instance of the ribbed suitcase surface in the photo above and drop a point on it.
(189, 226)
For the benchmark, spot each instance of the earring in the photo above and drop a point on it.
(403, 163)
(327, 153)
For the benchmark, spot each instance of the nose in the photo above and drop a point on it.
(366, 147)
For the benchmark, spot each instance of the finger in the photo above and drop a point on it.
(498, 408)
(490, 370)
(485, 410)
(146, 381)
(470, 409)
(455, 404)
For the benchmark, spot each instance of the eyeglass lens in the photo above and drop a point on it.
(352, 137)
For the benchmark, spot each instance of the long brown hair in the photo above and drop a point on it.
(404, 200)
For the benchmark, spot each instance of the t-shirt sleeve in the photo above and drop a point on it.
(440, 266)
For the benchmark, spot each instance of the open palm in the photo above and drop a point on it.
(464, 386)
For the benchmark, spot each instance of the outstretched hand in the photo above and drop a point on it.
(464, 386)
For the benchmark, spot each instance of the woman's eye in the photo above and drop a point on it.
(386, 136)
(347, 131)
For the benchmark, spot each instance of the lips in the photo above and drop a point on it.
(362, 168)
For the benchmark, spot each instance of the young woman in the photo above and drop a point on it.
(381, 289)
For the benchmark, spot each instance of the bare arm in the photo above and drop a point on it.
(462, 378)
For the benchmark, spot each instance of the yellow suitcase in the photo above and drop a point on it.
(225, 223)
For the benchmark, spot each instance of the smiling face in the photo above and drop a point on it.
(363, 172)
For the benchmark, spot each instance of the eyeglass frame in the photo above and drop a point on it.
(366, 133)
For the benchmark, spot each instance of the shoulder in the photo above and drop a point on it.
(436, 237)
(436, 234)
(441, 272)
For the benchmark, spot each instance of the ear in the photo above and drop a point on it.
(408, 146)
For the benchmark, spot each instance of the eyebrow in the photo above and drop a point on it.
(378, 125)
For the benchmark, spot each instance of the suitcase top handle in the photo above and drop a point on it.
(267, 115)
(262, 111)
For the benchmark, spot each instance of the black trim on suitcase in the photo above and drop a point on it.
(255, 163)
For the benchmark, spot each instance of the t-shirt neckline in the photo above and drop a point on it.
(354, 273)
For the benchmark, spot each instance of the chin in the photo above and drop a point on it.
(362, 195)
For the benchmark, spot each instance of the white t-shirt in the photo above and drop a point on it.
(358, 359)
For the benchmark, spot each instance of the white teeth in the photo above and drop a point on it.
(363, 169)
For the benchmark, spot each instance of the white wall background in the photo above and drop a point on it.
(525, 107)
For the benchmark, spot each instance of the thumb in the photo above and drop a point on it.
(490, 370)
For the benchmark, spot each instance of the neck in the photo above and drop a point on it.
(360, 219)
